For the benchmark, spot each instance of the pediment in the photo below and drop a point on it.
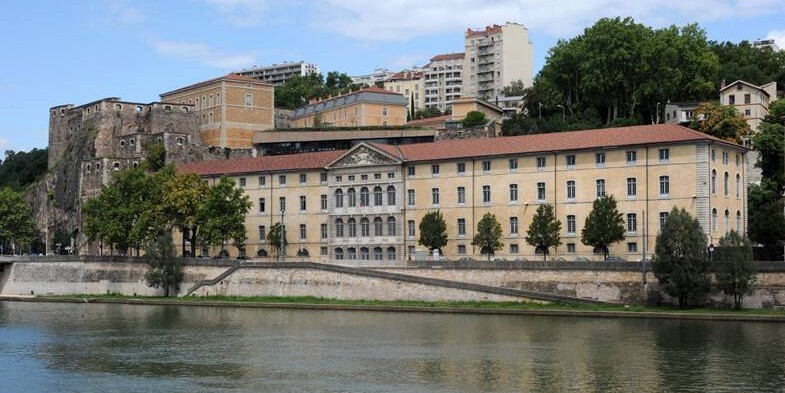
(363, 155)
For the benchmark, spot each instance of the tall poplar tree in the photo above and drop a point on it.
(604, 225)
(544, 230)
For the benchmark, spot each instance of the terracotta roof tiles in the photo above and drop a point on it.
(229, 77)
(448, 56)
(287, 162)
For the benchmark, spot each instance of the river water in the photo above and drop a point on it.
(51, 347)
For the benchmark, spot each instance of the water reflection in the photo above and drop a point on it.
(94, 348)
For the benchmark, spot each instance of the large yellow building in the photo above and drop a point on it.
(230, 109)
(366, 203)
(371, 106)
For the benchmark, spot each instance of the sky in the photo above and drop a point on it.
(77, 51)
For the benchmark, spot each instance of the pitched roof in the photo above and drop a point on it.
(288, 162)
(488, 31)
(748, 84)
(559, 141)
(429, 120)
(228, 77)
(448, 56)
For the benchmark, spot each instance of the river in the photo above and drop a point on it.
(59, 347)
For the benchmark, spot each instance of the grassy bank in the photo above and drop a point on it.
(424, 306)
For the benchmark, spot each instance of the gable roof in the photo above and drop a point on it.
(748, 84)
(287, 162)
(229, 77)
(364, 145)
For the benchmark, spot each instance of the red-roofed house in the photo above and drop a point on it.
(370, 106)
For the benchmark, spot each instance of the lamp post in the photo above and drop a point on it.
(562, 112)
(282, 250)
(539, 109)
(711, 253)
(657, 115)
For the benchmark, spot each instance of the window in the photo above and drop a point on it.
(323, 177)
(513, 193)
(365, 198)
(713, 181)
(665, 186)
(713, 219)
(725, 157)
(339, 253)
(302, 203)
(352, 225)
(262, 181)
(391, 195)
(461, 195)
(248, 99)
(365, 227)
(377, 253)
(461, 249)
(365, 176)
(747, 98)
(378, 196)
(282, 204)
(435, 170)
(352, 197)
(600, 188)
(410, 197)
(351, 178)
(461, 168)
(486, 194)
(282, 179)
(713, 155)
(738, 185)
(486, 166)
(323, 231)
(599, 159)
(663, 218)
(513, 162)
(351, 253)
(323, 200)
(726, 222)
(725, 185)
(391, 253)
(303, 178)
(570, 161)
(384, 111)
(738, 221)
(322, 250)
(570, 190)
(541, 191)
(435, 196)
(410, 228)
(731, 99)
(461, 227)
(540, 163)
(632, 157)
(303, 232)
(391, 175)
(571, 224)
(513, 225)
(339, 198)
(632, 222)
(410, 171)
(632, 247)
(262, 234)
(378, 227)
(665, 155)
(571, 248)
(391, 226)
(338, 179)
(737, 160)
(513, 248)
(262, 205)
(338, 227)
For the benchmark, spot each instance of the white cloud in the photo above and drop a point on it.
(121, 11)
(241, 13)
(407, 60)
(778, 37)
(4, 144)
(203, 54)
(402, 20)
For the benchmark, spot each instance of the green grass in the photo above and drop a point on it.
(469, 304)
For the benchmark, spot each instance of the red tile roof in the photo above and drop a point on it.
(228, 77)
(488, 31)
(448, 56)
(429, 120)
(559, 141)
(288, 162)
(371, 89)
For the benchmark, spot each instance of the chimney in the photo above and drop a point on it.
(722, 84)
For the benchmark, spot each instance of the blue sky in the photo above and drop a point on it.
(57, 52)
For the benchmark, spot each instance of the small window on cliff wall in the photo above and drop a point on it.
(168, 108)
(122, 143)
(89, 167)
(118, 106)
(185, 109)
(135, 164)
(116, 166)
(138, 108)
(97, 166)
(160, 139)
(133, 142)
(179, 141)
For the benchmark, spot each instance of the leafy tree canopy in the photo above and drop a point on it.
(16, 222)
(734, 270)
(489, 233)
(604, 225)
(427, 112)
(298, 90)
(223, 214)
(274, 237)
(19, 170)
(680, 262)
(474, 119)
(544, 230)
(514, 89)
(720, 121)
(165, 268)
(433, 231)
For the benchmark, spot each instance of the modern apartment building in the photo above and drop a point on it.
(409, 83)
(370, 106)
(365, 204)
(750, 100)
(444, 80)
(230, 109)
(771, 44)
(378, 75)
(496, 57)
(277, 74)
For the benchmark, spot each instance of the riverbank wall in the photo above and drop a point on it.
(420, 280)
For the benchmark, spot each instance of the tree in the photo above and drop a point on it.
(155, 156)
(734, 269)
(165, 268)
(20, 170)
(474, 119)
(274, 238)
(297, 90)
(224, 213)
(427, 112)
(16, 223)
(433, 231)
(604, 225)
(776, 112)
(770, 144)
(767, 224)
(680, 262)
(544, 230)
(514, 89)
(489, 232)
(720, 121)
(183, 202)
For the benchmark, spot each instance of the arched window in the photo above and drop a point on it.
(726, 221)
(725, 185)
(377, 253)
(339, 198)
(351, 253)
(738, 221)
(713, 181)
(391, 195)
(377, 196)
(364, 254)
(365, 227)
(352, 197)
(738, 185)
(364, 197)
(261, 253)
(713, 219)
(391, 253)
(352, 223)
(378, 227)
(338, 227)
(713, 155)
(339, 253)
(391, 226)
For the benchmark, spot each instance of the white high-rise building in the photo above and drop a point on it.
(277, 74)
(443, 80)
(496, 57)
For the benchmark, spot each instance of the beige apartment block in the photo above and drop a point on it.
(370, 106)
(230, 109)
(750, 101)
(496, 57)
(365, 204)
(443, 80)
(409, 83)
(462, 106)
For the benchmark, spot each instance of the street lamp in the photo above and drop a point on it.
(562, 112)
(711, 252)
(282, 251)
(539, 109)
